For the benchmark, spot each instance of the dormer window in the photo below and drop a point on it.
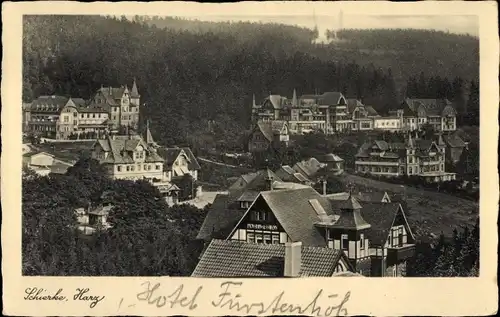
(244, 204)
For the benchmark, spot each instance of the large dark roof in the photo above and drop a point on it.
(453, 140)
(330, 98)
(270, 128)
(436, 107)
(171, 154)
(49, 103)
(242, 259)
(221, 218)
(260, 181)
(120, 149)
(225, 212)
(296, 211)
(352, 104)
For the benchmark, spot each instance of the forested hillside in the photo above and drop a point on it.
(191, 72)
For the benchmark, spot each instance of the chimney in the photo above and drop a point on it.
(269, 181)
(293, 259)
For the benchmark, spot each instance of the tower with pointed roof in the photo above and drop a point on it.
(148, 137)
(349, 232)
(135, 98)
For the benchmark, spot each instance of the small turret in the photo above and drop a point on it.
(294, 99)
(134, 93)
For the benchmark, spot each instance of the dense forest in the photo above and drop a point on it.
(457, 256)
(148, 237)
(193, 72)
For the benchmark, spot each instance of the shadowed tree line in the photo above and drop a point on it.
(191, 73)
(148, 236)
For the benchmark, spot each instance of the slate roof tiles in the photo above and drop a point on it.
(242, 259)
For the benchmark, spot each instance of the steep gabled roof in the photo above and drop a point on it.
(120, 149)
(260, 181)
(193, 162)
(225, 212)
(435, 107)
(134, 93)
(331, 158)
(380, 216)
(296, 214)
(352, 104)
(221, 218)
(112, 94)
(371, 111)
(270, 128)
(287, 174)
(453, 140)
(330, 98)
(308, 168)
(242, 259)
(171, 154)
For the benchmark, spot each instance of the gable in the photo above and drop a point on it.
(267, 105)
(342, 101)
(400, 220)
(259, 204)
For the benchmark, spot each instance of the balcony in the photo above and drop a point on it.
(400, 254)
(378, 163)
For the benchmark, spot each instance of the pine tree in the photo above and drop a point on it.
(473, 104)
(411, 88)
(422, 88)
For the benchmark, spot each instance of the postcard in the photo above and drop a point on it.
(250, 158)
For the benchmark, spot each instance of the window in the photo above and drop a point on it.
(75, 114)
(128, 168)
(119, 168)
(258, 237)
(344, 242)
(362, 241)
(132, 168)
(250, 237)
(395, 238)
(257, 215)
(139, 167)
(145, 167)
(158, 167)
(244, 204)
(275, 239)
(260, 215)
(66, 119)
(267, 239)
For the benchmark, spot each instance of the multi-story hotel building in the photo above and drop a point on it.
(439, 113)
(326, 112)
(123, 105)
(128, 157)
(61, 117)
(415, 157)
(333, 112)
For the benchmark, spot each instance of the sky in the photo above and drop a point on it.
(453, 23)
